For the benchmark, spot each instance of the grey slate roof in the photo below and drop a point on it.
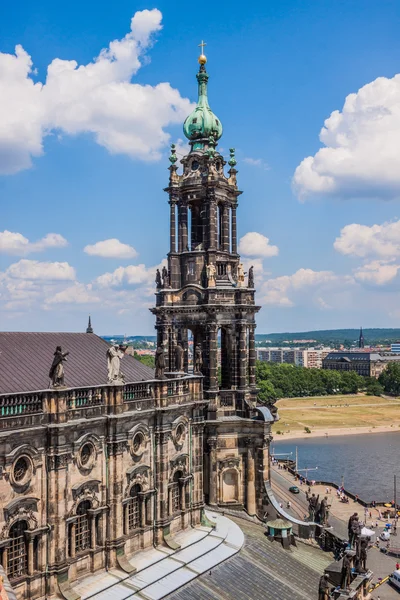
(25, 360)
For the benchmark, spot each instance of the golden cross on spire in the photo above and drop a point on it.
(202, 46)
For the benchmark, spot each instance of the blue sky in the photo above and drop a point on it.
(85, 156)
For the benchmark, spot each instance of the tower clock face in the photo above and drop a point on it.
(195, 165)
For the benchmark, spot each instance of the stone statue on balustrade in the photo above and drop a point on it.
(313, 502)
(240, 275)
(114, 355)
(56, 372)
(251, 277)
(323, 512)
(160, 362)
(211, 272)
(158, 279)
(198, 359)
(179, 358)
(165, 278)
(323, 588)
(346, 572)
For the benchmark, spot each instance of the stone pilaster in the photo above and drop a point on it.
(234, 231)
(242, 355)
(252, 356)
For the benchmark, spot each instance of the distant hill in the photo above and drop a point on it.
(327, 337)
(334, 336)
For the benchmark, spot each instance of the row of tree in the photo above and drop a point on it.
(289, 381)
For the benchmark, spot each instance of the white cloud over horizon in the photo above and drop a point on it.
(111, 248)
(382, 241)
(97, 98)
(256, 245)
(17, 244)
(360, 156)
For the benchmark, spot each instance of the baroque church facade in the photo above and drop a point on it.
(97, 468)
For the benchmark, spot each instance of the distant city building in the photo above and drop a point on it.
(310, 358)
(367, 364)
(395, 347)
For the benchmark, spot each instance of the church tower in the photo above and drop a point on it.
(205, 306)
(361, 342)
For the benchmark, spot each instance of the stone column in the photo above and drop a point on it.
(234, 230)
(212, 224)
(73, 534)
(225, 229)
(5, 558)
(252, 356)
(93, 531)
(143, 502)
(213, 355)
(173, 226)
(242, 356)
(115, 518)
(213, 484)
(162, 472)
(183, 495)
(30, 556)
(250, 489)
(183, 227)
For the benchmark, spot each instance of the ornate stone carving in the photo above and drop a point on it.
(22, 510)
(56, 372)
(114, 355)
(230, 462)
(179, 463)
(160, 362)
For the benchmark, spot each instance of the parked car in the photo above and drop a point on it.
(294, 489)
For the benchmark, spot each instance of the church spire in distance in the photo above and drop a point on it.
(202, 123)
(89, 328)
(361, 339)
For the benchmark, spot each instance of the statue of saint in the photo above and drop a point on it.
(114, 355)
(211, 272)
(240, 275)
(179, 357)
(56, 372)
(198, 359)
(251, 277)
(165, 277)
(160, 362)
(323, 588)
(158, 278)
(324, 511)
(312, 506)
(346, 573)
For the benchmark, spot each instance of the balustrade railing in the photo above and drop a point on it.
(85, 397)
(20, 404)
(138, 391)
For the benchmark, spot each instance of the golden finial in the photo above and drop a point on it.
(202, 57)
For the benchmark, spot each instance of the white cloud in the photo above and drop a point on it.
(305, 284)
(257, 245)
(257, 162)
(377, 272)
(111, 248)
(378, 240)
(78, 293)
(130, 275)
(361, 156)
(97, 98)
(15, 243)
(41, 271)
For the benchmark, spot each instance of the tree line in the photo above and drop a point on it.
(277, 381)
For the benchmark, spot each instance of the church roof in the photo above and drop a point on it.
(25, 361)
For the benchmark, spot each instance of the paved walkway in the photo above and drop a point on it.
(161, 570)
(378, 562)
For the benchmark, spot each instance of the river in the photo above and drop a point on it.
(367, 463)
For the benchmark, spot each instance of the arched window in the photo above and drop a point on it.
(17, 563)
(175, 490)
(83, 539)
(133, 508)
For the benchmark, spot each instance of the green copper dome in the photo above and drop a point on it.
(202, 123)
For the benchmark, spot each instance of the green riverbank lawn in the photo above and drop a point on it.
(330, 412)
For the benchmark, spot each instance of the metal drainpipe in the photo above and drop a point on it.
(107, 502)
(190, 471)
(154, 487)
(47, 519)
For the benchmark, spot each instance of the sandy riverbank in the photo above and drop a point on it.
(336, 431)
